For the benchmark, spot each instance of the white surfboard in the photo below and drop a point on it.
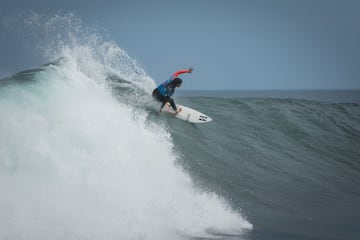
(188, 114)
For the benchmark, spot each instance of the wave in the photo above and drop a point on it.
(291, 164)
(79, 159)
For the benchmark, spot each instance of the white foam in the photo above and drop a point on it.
(75, 163)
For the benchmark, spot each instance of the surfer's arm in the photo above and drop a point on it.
(177, 73)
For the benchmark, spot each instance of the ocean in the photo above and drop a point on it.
(84, 155)
(290, 164)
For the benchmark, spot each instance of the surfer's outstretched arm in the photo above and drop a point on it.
(177, 73)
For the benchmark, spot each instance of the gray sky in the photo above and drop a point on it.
(254, 44)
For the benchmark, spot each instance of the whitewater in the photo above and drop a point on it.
(80, 162)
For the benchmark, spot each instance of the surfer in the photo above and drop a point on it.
(165, 90)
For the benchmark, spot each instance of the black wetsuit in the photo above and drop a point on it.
(166, 89)
(164, 99)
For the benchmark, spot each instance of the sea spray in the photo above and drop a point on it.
(79, 163)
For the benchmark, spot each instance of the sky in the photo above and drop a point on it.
(231, 44)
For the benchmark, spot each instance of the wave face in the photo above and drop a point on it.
(78, 161)
(291, 164)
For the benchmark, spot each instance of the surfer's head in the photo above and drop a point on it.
(177, 82)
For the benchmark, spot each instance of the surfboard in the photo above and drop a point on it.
(188, 114)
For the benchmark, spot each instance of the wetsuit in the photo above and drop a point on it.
(165, 90)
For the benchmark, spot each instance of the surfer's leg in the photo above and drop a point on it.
(172, 103)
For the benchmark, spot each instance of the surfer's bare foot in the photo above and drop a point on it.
(177, 111)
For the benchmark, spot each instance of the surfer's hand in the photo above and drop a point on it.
(190, 69)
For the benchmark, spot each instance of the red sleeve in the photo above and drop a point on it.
(176, 74)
